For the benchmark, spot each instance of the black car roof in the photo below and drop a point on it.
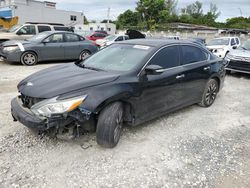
(156, 42)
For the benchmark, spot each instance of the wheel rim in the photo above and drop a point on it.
(29, 59)
(84, 55)
(117, 131)
(211, 93)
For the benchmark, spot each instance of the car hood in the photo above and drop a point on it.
(216, 46)
(100, 41)
(63, 79)
(7, 35)
(15, 42)
(241, 53)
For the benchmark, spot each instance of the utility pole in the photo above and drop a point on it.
(240, 12)
(108, 15)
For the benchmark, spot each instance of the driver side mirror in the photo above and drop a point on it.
(154, 70)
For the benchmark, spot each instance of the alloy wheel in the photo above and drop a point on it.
(211, 93)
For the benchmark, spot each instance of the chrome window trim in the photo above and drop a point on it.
(163, 70)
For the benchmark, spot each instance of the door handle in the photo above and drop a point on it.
(180, 76)
(206, 68)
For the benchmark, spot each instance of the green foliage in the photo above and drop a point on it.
(85, 21)
(127, 19)
(238, 22)
(152, 14)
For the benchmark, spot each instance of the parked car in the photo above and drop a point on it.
(221, 46)
(102, 31)
(134, 34)
(47, 46)
(26, 31)
(173, 37)
(128, 82)
(95, 36)
(111, 39)
(239, 59)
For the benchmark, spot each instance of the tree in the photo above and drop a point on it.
(238, 22)
(194, 10)
(85, 20)
(153, 12)
(128, 18)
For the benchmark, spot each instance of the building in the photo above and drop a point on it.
(109, 27)
(38, 11)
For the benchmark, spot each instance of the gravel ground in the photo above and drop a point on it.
(193, 147)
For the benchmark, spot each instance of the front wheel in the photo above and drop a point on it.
(84, 55)
(109, 125)
(210, 93)
(29, 58)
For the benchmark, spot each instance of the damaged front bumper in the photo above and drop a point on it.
(30, 120)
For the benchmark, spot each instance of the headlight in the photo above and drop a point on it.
(53, 106)
(10, 48)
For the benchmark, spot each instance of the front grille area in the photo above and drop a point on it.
(239, 65)
(28, 102)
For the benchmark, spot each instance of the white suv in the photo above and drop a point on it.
(221, 46)
(25, 31)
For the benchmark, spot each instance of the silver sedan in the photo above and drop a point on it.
(47, 46)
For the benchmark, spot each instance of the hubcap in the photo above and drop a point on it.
(84, 55)
(211, 94)
(29, 59)
(117, 131)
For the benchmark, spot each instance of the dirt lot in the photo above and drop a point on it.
(194, 147)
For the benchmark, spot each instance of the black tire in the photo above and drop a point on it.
(210, 93)
(29, 58)
(109, 125)
(84, 54)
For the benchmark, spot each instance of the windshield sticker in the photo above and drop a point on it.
(141, 47)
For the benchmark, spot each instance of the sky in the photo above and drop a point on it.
(97, 9)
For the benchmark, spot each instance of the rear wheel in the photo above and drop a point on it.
(84, 55)
(29, 58)
(109, 125)
(210, 93)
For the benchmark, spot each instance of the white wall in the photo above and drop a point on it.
(110, 28)
(34, 11)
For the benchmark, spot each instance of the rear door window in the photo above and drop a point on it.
(42, 28)
(71, 38)
(191, 54)
(168, 57)
(237, 41)
(61, 28)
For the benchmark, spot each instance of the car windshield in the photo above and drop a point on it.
(38, 37)
(14, 28)
(117, 57)
(216, 42)
(246, 45)
(110, 37)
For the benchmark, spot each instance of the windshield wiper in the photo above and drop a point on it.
(244, 48)
(92, 68)
(87, 67)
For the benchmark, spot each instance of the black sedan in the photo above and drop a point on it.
(129, 82)
(47, 46)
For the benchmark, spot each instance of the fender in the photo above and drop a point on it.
(103, 95)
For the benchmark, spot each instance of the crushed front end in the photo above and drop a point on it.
(52, 115)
